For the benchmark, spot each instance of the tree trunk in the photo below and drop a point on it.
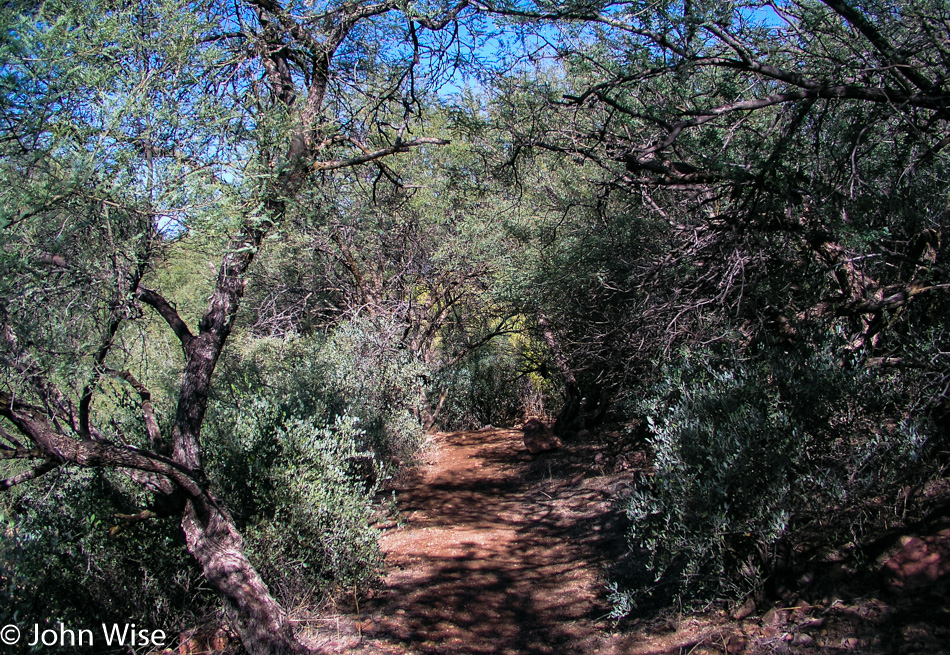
(215, 543)
(210, 533)
(572, 394)
(570, 411)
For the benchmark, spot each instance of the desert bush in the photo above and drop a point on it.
(370, 376)
(298, 432)
(302, 505)
(298, 438)
(65, 558)
(748, 455)
(313, 535)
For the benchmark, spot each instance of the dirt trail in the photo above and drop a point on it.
(495, 555)
(498, 551)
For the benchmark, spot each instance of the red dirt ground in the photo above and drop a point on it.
(495, 553)
(498, 551)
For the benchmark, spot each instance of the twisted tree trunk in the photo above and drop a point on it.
(215, 543)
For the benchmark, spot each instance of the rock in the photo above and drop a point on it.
(800, 609)
(920, 562)
(850, 643)
(539, 438)
(735, 644)
(773, 617)
(744, 610)
(803, 639)
(770, 631)
(205, 640)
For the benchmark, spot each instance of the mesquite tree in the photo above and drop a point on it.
(125, 126)
(755, 171)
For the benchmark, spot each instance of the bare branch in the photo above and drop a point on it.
(398, 147)
(131, 519)
(888, 52)
(155, 440)
(32, 373)
(445, 19)
(51, 259)
(20, 453)
(32, 423)
(167, 312)
(504, 327)
(839, 92)
(31, 474)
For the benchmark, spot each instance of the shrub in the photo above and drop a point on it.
(487, 388)
(298, 431)
(746, 455)
(314, 535)
(60, 563)
(297, 440)
(371, 377)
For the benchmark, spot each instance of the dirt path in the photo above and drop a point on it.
(495, 554)
(497, 551)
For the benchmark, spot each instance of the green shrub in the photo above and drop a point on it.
(59, 563)
(315, 536)
(485, 388)
(373, 378)
(287, 443)
(299, 434)
(746, 456)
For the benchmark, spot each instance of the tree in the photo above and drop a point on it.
(788, 155)
(738, 225)
(124, 126)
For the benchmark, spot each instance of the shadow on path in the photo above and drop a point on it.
(491, 559)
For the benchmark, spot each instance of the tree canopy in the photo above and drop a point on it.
(241, 241)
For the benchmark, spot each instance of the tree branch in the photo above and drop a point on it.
(164, 308)
(398, 147)
(887, 51)
(32, 423)
(20, 453)
(31, 474)
(448, 17)
(155, 440)
(838, 92)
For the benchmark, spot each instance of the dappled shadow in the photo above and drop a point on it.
(498, 551)
(488, 562)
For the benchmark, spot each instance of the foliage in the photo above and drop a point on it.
(486, 387)
(302, 431)
(691, 170)
(747, 456)
(302, 494)
(378, 382)
(631, 192)
(65, 558)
